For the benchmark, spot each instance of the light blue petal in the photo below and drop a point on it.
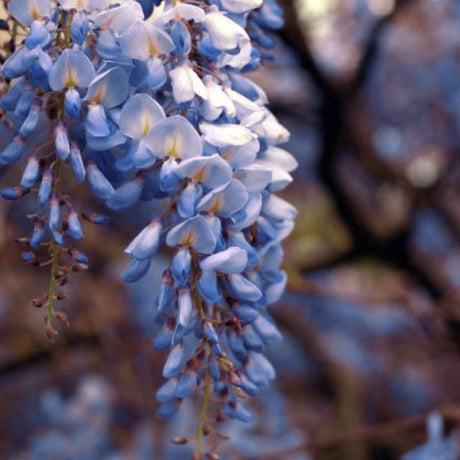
(149, 74)
(174, 362)
(166, 294)
(31, 172)
(143, 40)
(166, 411)
(236, 344)
(243, 289)
(32, 119)
(225, 200)
(98, 183)
(186, 84)
(186, 386)
(74, 230)
(164, 337)
(249, 214)
(109, 88)
(207, 287)
(9, 100)
(155, 74)
(225, 34)
(275, 291)
(252, 340)
(280, 177)
(185, 308)
(135, 270)
(23, 106)
(26, 11)
(72, 69)
(186, 206)
(181, 38)
(281, 158)
(211, 171)
(168, 179)
(195, 233)
(145, 245)
(266, 329)
(255, 177)
(38, 35)
(126, 195)
(72, 103)
(238, 239)
(232, 260)
(96, 123)
(174, 137)
(246, 313)
(61, 142)
(40, 70)
(140, 156)
(181, 267)
(183, 11)
(76, 162)
(120, 17)
(139, 115)
(275, 207)
(104, 143)
(247, 386)
(240, 413)
(107, 45)
(13, 152)
(20, 62)
(241, 6)
(38, 234)
(271, 256)
(79, 27)
(54, 212)
(44, 192)
(167, 392)
(259, 369)
(226, 135)
(216, 226)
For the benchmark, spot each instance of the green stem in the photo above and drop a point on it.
(67, 31)
(14, 32)
(203, 417)
(52, 285)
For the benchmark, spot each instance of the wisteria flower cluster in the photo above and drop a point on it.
(148, 101)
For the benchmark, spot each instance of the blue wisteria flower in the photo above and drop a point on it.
(148, 102)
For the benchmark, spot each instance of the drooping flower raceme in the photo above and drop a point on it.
(148, 101)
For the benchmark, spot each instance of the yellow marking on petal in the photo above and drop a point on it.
(35, 13)
(228, 155)
(189, 239)
(217, 204)
(153, 48)
(146, 122)
(174, 146)
(70, 77)
(200, 175)
(99, 94)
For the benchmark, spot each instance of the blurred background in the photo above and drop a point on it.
(370, 90)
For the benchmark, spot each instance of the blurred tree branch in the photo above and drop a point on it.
(336, 100)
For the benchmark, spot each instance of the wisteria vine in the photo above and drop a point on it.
(148, 101)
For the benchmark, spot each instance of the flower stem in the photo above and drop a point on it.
(203, 417)
(52, 285)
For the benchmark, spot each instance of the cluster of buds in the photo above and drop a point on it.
(148, 102)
